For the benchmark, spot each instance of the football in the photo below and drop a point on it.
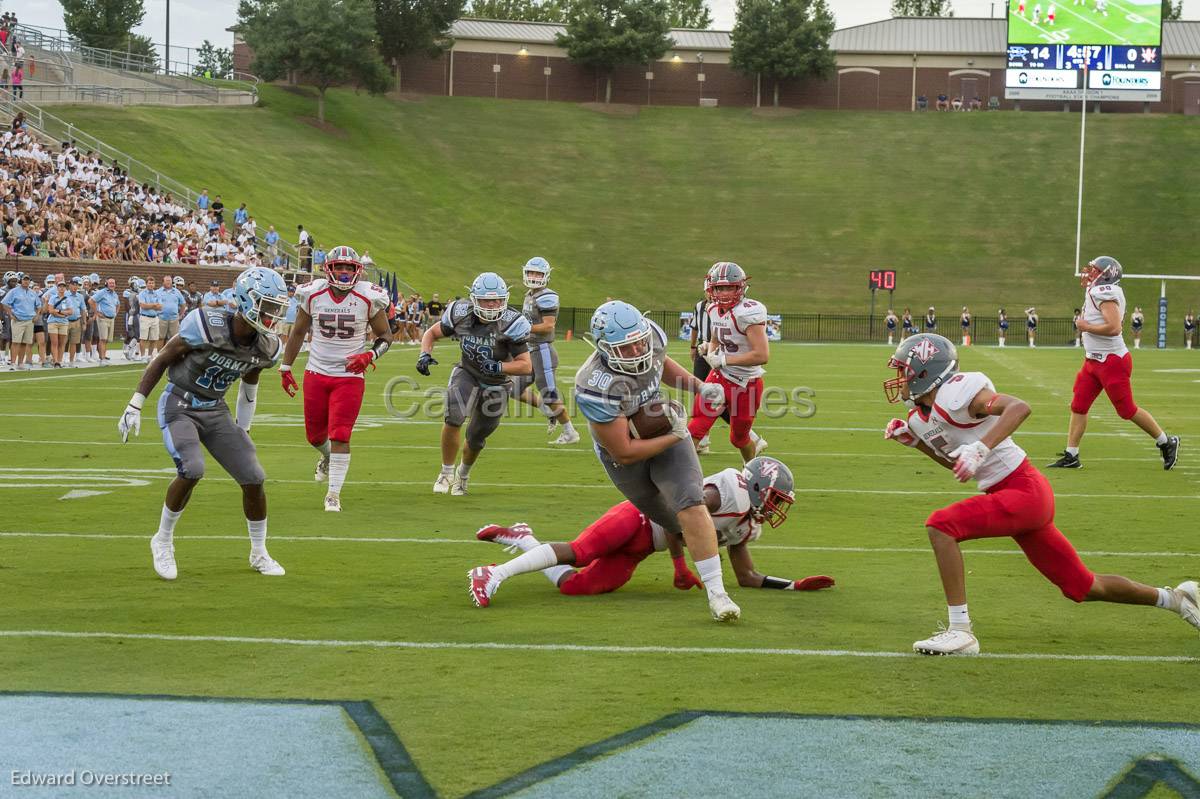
(651, 420)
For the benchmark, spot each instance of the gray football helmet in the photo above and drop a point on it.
(1102, 271)
(771, 488)
(922, 362)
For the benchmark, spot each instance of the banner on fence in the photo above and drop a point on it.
(685, 325)
(774, 327)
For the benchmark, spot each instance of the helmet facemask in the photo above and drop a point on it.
(775, 507)
(343, 274)
(489, 313)
(535, 278)
(633, 356)
(265, 312)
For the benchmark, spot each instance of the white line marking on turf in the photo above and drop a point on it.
(335, 539)
(590, 648)
(7, 381)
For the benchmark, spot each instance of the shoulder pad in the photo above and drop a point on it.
(546, 301)
(658, 332)
(517, 327)
(750, 312)
(1109, 293)
(459, 310)
(957, 392)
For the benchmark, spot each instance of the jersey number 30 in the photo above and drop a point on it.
(338, 325)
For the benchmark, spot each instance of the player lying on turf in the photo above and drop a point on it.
(214, 347)
(606, 554)
(961, 422)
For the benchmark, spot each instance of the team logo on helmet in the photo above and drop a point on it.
(924, 350)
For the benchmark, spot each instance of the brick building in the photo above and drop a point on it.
(882, 65)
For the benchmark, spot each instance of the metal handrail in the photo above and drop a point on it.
(125, 94)
(58, 129)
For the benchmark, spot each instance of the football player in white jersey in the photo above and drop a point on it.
(961, 422)
(736, 353)
(343, 307)
(1107, 364)
(604, 556)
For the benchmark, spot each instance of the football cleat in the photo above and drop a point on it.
(265, 564)
(948, 642)
(1066, 461)
(1188, 594)
(164, 559)
(333, 503)
(550, 423)
(760, 444)
(442, 484)
(508, 537)
(1170, 451)
(458, 486)
(322, 471)
(723, 608)
(703, 446)
(478, 579)
(567, 437)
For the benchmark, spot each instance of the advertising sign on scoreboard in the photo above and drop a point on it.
(1115, 45)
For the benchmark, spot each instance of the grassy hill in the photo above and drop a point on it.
(974, 209)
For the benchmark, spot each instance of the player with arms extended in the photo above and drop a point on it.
(541, 309)
(736, 354)
(214, 347)
(960, 422)
(1107, 364)
(344, 306)
(494, 340)
(605, 555)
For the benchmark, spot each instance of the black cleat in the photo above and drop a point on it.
(1067, 461)
(1170, 451)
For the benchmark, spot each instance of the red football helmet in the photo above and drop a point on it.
(726, 275)
(343, 267)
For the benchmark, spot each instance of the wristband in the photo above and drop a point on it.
(285, 367)
(776, 582)
(137, 400)
(380, 346)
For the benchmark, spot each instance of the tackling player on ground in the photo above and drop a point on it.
(343, 307)
(214, 348)
(605, 555)
(1107, 364)
(541, 309)
(960, 422)
(736, 354)
(494, 340)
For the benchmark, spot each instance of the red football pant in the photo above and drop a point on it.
(609, 551)
(1021, 506)
(742, 402)
(1112, 375)
(331, 406)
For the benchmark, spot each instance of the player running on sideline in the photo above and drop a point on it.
(215, 347)
(344, 307)
(606, 554)
(495, 346)
(1107, 364)
(960, 422)
(541, 309)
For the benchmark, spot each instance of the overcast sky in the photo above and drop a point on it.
(193, 21)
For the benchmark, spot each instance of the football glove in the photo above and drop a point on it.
(969, 458)
(424, 362)
(357, 364)
(713, 395)
(684, 578)
(897, 430)
(679, 422)
(716, 358)
(490, 367)
(131, 419)
(815, 583)
(288, 379)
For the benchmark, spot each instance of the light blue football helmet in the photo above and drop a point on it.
(533, 266)
(94, 277)
(138, 284)
(489, 286)
(617, 328)
(261, 297)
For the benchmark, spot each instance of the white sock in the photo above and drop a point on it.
(568, 427)
(447, 470)
(1073, 451)
(555, 573)
(754, 437)
(540, 557)
(710, 574)
(166, 524)
(324, 448)
(258, 536)
(1162, 438)
(549, 412)
(959, 618)
(527, 543)
(464, 470)
(339, 464)
(1167, 599)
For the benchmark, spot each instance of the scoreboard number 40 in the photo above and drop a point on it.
(884, 279)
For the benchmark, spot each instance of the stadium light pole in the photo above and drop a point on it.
(1082, 139)
(167, 43)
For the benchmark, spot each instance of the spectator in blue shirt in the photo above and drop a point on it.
(318, 259)
(230, 301)
(173, 304)
(241, 215)
(149, 307)
(289, 318)
(104, 304)
(273, 245)
(212, 298)
(202, 200)
(21, 304)
(75, 319)
(57, 306)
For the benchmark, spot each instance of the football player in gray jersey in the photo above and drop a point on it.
(541, 309)
(214, 347)
(661, 476)
(495, 347)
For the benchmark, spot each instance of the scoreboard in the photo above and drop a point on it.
(1112, 48)
(884, 279)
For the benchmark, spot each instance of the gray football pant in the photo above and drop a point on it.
(661, 486)
(186, 428)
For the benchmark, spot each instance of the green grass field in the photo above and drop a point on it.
(971, 209)
(1135, 22)
(379, 591)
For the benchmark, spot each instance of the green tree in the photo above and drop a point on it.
(604, 34)
(781, 39)
(414, 26)
(105, 24)
(922, 8)
(327, 42)
(688, 14)
(143, 57)
(1172, 10)
(214, 61)
(519, 10)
